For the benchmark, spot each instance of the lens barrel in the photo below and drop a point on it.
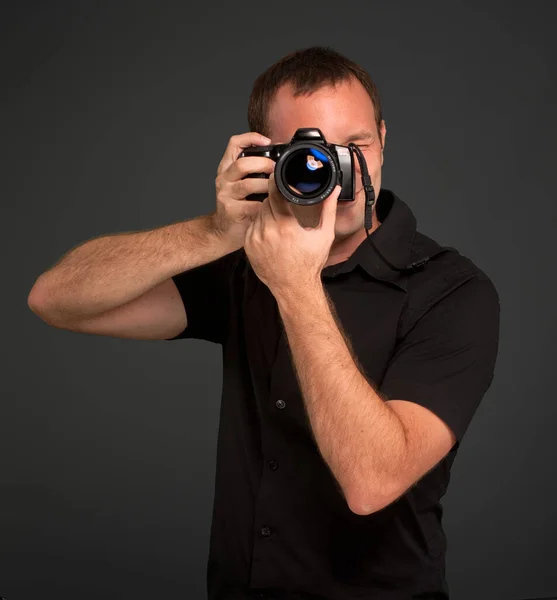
(306, 173)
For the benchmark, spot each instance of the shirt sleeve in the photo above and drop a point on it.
(446, 361)
(206, 292)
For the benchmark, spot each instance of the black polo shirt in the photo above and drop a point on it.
(281, 527)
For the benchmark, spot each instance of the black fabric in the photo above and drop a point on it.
(205, 291)
(281, 526)
(446, 359)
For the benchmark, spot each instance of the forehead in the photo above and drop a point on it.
(337, 111)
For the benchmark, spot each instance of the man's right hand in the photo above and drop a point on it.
(234, 214)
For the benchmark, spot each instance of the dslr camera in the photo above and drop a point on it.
(307, 168)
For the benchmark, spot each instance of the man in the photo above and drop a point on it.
(350, 373)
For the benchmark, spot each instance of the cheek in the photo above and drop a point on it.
(373, 162)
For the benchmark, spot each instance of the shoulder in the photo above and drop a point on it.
(448, 274)
(446, 269)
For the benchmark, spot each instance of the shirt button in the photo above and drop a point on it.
(266, 531)
(273, 465)
(280, 404)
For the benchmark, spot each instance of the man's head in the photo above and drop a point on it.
(318, 87)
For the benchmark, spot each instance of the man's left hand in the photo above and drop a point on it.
(283, 252)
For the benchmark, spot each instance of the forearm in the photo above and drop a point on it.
(360, 438)
(112, 270)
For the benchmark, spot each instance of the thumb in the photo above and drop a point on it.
(251, 210)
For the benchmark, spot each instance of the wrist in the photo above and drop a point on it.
(221, 234)
(218, 234)
(306, 295)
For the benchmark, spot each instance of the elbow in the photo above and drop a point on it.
(36, 298)
(364, 507)
(362, 510)
(369, 500)
(39, 302)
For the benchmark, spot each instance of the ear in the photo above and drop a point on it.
(383, 135)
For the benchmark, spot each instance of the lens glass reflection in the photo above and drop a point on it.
(307, 172)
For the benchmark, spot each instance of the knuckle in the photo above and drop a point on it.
(239, 188)
(229, 191)
(222, 192)
(242, 166)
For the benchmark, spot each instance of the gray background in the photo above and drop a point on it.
(115, 116)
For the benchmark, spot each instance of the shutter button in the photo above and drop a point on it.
(280, 404)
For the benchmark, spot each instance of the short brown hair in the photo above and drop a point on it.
(307, 70)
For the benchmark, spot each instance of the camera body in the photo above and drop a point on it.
(307, 168)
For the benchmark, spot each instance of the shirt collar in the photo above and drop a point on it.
(393, 238)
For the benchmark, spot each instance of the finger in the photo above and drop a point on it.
(249, 231)
(266, 211)
(236, 144)
(247, 165)
(258, 222)
(278, 204)
(248, 236)
(241, 189)
(329, 212)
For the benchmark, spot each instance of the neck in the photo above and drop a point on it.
(343, 248)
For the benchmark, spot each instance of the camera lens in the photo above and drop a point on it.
(307, 172)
